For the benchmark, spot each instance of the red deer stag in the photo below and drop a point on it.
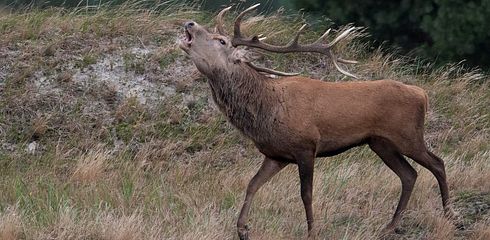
(296, 119)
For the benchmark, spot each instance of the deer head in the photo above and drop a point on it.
(209, 50)
(216, 50)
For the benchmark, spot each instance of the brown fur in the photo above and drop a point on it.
(295, 119)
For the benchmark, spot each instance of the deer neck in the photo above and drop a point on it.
(246, 98)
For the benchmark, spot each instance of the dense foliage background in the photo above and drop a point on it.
(445, 30)
(440, 30)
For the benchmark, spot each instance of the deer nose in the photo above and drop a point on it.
(189, 24)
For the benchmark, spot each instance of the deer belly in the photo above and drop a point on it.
(276, 152)
(329, 149)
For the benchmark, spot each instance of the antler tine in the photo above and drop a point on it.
(219, 21)
(271, 71)
(323, 37)
(294, 41)
(336, 64)
(342, 70)
(337, 39)
(347, 61)
(341, 36)
(238, 20)
(261, 37)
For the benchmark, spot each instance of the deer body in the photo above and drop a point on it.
(328, 117)
(296, 119)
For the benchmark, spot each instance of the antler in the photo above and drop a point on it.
(219, 21)
(293, 46)
(221, 30)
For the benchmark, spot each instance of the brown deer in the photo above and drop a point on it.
(293, 120)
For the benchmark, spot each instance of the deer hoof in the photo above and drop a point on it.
(451, 214)
(243, 233)
(388, 230)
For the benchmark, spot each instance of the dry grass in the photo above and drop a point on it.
(10, 224)
(130, 145)
(482, 231)
(92, 166)
(123, 228)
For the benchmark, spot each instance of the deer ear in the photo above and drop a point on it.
(242, 55)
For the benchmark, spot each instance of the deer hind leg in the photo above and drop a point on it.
(436, 166)
(268, 169)
(388, 152)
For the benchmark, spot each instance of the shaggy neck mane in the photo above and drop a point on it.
(245, 97)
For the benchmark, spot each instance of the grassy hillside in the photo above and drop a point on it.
(107, 131)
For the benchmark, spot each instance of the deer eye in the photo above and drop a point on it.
(222, 42)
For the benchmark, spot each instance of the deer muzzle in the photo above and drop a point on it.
(186, 40)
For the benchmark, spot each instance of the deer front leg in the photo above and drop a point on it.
(268, 169)
(305, 167)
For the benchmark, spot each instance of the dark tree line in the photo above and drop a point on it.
(442, 30)
(445, 30)
(57, 3)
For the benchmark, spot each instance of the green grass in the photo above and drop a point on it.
(87, 60)
(169, 58)
(133, 63)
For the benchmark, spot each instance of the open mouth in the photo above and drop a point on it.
(187, 38)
